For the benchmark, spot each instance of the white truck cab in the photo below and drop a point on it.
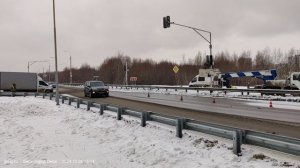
(43, 86)
(293, 81)
(205, 78)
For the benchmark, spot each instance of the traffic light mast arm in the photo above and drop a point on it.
(197, 31)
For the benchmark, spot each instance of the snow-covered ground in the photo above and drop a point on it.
(34, 132)
(254, 99)
(275, 104)
(205, 93)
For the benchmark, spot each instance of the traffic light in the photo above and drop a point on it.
(211, 61)
(166, 21)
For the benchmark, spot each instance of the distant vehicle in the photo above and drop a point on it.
(53, 85)
(292, 82)
(206, 78)
(24, 81)
(95, 88)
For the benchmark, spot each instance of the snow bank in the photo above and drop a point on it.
(35, 132)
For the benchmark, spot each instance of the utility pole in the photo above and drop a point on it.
(55, 52)
(126, 74)
(49, 73)
(71, 69)
(297, 59)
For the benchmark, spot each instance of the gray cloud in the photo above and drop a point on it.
(91, 30)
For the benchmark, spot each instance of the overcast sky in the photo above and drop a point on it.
(92, 30)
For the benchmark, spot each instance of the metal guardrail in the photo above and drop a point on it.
(210, 89)
(239, 136)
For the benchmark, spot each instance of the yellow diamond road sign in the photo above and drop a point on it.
(175, 69)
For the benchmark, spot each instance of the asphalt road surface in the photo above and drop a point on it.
(221, 105)
(201, 111)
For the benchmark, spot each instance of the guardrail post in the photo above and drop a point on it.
(43, 95)
(179, 127)
(243, 134)
(70, 101)
(119, 113)
(62, 99)
(102, 108)
(148, 115)
(144, 118)
(35, 94)
(24, 94)
(78, 103)
(88, 105)
(50, 96)
(237, 142)
(242, 93)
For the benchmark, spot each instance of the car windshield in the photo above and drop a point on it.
(43, 83)
(296, 77)
(95, 84)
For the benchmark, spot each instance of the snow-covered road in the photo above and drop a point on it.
(36, 133)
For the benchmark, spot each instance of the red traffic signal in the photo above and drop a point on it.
(166, 21)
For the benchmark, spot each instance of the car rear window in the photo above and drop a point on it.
(94, 84)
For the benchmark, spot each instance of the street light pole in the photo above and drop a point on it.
(70, 69)
(71, 76)
(55, 50)
(49, 78)
(126, 74)
(32, 62)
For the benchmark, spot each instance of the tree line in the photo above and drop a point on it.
(150, 72)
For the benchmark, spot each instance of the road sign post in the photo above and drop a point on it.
(175, 70)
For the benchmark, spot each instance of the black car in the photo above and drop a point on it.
(95, 88)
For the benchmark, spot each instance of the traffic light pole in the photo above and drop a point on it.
(198, 32)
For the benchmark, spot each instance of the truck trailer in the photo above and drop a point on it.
(24, 82)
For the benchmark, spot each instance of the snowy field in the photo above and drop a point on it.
(35, 132)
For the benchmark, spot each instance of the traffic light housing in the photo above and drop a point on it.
(166, 21)
(211, 61)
